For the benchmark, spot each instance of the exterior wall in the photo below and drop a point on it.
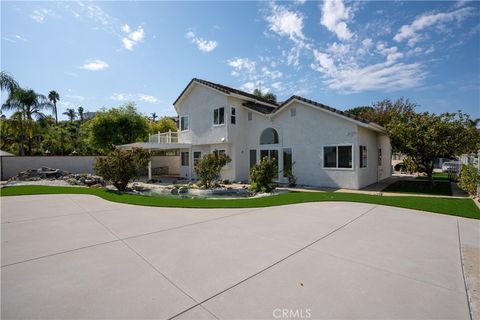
(199, 105)
(383, 142)
(12, 165)
(370, 174)
(172, 162)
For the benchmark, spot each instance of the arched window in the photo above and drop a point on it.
(269, 136)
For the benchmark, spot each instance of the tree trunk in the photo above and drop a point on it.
(429, 172)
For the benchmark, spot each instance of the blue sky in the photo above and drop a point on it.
(343, 54)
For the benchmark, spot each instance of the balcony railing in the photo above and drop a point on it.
(165, 137)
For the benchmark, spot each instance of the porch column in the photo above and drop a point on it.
(150, 166)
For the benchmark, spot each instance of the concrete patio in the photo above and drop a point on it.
(78, 256)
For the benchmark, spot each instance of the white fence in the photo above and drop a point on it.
(10, 166)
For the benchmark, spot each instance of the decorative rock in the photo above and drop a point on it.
(183, 190)
(174, 191)
(97, 185)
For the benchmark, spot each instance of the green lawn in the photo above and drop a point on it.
(437, 176)
(451, 206)
(420, 186)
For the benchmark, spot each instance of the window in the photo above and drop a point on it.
(184, 123)
(197, 155)
(249, 116)
(269, 136)
(287, 162)
(337, 157)
(219, 116)
(233, 116)
(271, 154)
(293, 112)
(330, 157)
(185, 160)
(219, 152)
(379, 157)
(253, 158)
(363, 156)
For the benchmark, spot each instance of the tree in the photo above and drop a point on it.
(383, 112)
(154, 116)
(360, 111)
(267, 96)
(53, 96)
(80, 113)
(262, 175)
(208, 168)
(30, 104)
(425, 137)
(7, 82)
(165, 124)
(71, 114)
(117, 126)
(122, 166)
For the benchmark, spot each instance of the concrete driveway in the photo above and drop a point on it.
(78, 256)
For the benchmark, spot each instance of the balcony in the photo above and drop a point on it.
(163, 138)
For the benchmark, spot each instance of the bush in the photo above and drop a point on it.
(208, 168)
(292, 180)
(122, 166)
(469, 179)
(262, 175)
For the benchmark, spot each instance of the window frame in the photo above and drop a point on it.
(352, 168)
(362, 156)
(293, 112)
(187, 153)
(275, 135)
(188, 123)
(195, 160)
(233, 115)
(218, 110)
(219, 151)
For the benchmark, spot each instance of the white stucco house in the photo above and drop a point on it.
(321, 145)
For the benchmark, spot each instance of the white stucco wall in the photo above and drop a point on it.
(199, 104)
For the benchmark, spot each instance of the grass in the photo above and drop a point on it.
(451, 206)
(437, 176)
(442, 188)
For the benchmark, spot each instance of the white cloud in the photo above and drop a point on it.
(248, 87)
(40, 15)
(202, 44)
(286, 23)
(242, 65)
(132, 37)
(412, 32)
(335, 17)
(147, 98)
(94, 65)
(380, 76)
(132, 97)
(277, 85)
(275, 74)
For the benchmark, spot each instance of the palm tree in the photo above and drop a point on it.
(30, 104)
(154, 116)
(80, 113)
(71, 114)
(7, 82)
(53, 96)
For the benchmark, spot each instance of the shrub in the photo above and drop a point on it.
(292, 180)
(122, 166)
(208, 168)
(468, 179)
(262, 175)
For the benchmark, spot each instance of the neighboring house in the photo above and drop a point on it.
(322, 146)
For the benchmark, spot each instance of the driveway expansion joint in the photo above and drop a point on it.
(277, 262)
(462, 266)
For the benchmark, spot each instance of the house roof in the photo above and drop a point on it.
(267, 106)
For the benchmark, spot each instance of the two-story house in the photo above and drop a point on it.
(322, 146)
